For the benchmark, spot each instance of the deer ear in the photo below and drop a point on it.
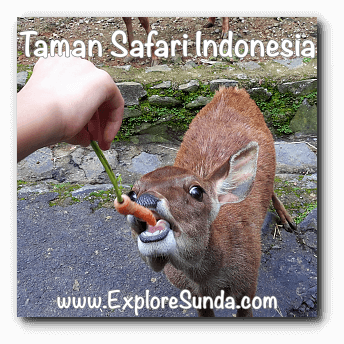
(234, 179)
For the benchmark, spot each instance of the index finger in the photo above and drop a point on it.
(111, 115)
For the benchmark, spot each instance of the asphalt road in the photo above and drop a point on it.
(89, 255)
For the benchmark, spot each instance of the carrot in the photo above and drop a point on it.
(123, 204)
(128, 207)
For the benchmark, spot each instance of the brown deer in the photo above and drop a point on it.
(145, 23)
(211, 204)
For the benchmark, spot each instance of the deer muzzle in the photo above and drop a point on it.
(158, 240)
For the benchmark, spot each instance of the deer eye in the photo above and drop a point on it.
(196, 192)
(132, 195)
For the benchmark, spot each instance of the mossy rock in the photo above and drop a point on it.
(305, 120)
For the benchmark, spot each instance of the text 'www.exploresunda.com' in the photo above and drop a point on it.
(185, 301)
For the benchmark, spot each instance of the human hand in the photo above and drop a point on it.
(67, 100)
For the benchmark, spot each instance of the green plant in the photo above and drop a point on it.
(302, 216)
(278, 111)
(281, 108)
(177, 118)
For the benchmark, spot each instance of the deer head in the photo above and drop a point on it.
(185, 207)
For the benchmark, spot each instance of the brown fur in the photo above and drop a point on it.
(221, 128)
(221, 253)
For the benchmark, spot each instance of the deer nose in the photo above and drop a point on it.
(147, 200)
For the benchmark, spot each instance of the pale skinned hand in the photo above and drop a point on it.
(67, 100)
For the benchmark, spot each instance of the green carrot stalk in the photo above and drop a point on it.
(124, 205)
(108, 169)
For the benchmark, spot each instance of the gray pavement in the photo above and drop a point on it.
(76, 252)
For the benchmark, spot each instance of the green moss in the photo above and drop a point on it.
(298, 201)
(20, 184)
(308, 209)
(105, 198)
(64, 191)
(278, 180)
(177, 118)
(280, 109)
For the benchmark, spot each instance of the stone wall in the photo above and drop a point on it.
(139, 88)
(134, 93)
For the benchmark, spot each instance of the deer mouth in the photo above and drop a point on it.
(156, 244)
(157, 241)
(155, 233)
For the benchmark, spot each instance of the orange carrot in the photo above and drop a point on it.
(123, 204)
(128, 207)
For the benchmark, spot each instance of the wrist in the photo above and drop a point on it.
(38, 124)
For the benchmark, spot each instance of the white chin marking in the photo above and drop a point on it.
(164, 247)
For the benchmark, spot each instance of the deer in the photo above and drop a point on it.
(210, 205)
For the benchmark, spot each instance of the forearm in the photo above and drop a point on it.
(34, 123)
